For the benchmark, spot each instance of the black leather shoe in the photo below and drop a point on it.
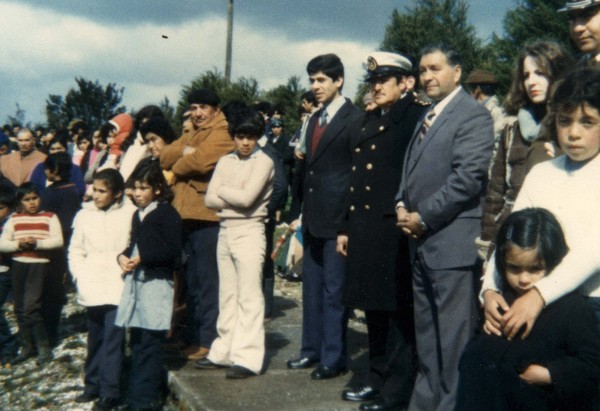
(86, 397)
(383, 405)
(106, 404)
(206, 364)
(293, 277)
(301, 363)
(325, 373)
(237, 372)
(362, 393)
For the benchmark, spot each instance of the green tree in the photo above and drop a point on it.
(90, 101)
(18, 118)
(287, 96)
(243, 89)
(530, 20)
(434, 21)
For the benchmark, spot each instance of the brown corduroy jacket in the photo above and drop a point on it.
(194, 171)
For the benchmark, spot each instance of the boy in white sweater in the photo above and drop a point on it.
(240, 190)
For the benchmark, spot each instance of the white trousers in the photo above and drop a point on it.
(240, 257)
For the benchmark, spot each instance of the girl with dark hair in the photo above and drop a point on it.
(100, 232)
(29, 235)
(135, 148)
(521, 145)
(557, 367)
(148, 263)
(568, 187)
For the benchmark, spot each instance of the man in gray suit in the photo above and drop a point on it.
(439, 208)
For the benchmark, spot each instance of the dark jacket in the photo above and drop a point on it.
(328, 172)
(564, 339)
(158, 239)
(379, 146)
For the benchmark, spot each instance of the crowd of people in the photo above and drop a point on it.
(399, 210)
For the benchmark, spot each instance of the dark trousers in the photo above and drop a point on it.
(202, 277)
(268, 277)
(104, 353)
(54, 294)
(392, 356)
(148, 375)
(8, 343)
(28, 288)
(325, 319)
(445, 319)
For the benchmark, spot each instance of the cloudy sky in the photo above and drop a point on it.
(45, 44)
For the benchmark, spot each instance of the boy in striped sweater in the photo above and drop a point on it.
(28, 235)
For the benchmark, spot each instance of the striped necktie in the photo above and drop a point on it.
(426, 123)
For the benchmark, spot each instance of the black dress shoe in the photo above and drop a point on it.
(362, 393)
(325, 373)
(106, 404)
(237, 372)
(383, 404)
(301, 363)
(293, 277)
(86, 397)
(206, 364)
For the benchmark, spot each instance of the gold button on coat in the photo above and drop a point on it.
(369, 166)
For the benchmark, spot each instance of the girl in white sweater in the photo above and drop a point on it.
(568, 187)
(100, 233)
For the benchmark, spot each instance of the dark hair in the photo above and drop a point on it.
(26, 188)
(247, 121)
(59, 163)
(328, 64)
(59, 138)
(204, 96)
(105, 130)
(310, 97)
(145, 113)
(263, 107)
(553, 61)
(446, 49)
(231, 108)
(159, 126)
(85, 159)
(150, 172)
(578, 88)
(532, 228)
(8, 196)
(112, 178)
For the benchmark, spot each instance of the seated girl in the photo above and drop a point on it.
(557, 367)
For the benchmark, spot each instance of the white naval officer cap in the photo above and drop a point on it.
(384, 63)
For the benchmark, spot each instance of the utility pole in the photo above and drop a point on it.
(229, 41)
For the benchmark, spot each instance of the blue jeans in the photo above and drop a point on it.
(8, 342)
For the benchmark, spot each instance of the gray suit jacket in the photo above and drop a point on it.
(444, 179)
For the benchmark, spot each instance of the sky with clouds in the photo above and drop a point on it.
(45, 44)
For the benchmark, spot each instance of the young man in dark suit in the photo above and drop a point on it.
(328, 167)
(440, 208)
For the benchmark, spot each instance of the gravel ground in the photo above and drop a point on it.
(26, 387)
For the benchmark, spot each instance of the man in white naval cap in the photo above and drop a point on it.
(378, 278)
(584, 26)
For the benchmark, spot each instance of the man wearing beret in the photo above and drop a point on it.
(192, 159)
(379, 280)
(584, 25)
